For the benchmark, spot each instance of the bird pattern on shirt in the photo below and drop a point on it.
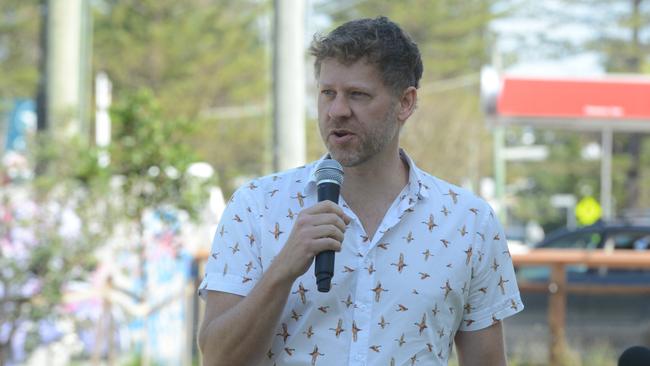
(409, 250)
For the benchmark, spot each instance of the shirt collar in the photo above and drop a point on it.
(415, 182)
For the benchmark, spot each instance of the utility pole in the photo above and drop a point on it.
(288, 85)
(41, 94)
(606, 174)
(65, 67)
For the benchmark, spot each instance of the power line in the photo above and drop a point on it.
(443, 85)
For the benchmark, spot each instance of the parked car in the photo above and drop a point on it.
(607, 236)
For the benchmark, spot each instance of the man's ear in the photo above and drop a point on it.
(407, 103)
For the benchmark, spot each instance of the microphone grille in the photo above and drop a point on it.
(329, 170)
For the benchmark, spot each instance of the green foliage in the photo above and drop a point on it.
(152, 156)
(196, 56)
(68, 161)
(564, 172)
(192, 54)
(52, 226)
(19, 28)
(50, 229)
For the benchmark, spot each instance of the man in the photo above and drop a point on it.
(420, 263)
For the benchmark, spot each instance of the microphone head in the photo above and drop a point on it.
(635, 356)
(329, 171)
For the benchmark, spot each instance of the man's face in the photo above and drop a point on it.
(356, 112)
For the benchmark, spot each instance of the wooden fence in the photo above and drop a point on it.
(558, 288)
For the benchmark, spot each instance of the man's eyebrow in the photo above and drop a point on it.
(359, 87)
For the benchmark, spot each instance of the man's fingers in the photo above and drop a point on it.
(325, 207)
(328, 207)
(346, 219)
(323, 244)
(326, 231)
(328, 219)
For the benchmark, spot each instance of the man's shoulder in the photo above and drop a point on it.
(440, 189)
(298, 176)
(295, 178)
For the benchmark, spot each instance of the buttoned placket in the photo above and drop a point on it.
(362, 309)
(362, 313)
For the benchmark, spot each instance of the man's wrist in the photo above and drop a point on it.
(278, 277)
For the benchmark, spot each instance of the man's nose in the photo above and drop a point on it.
(340, 108)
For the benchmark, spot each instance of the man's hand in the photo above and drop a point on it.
(317, 228)
(226, 337)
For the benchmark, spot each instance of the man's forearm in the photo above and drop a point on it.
(239, 331)
(242, 334)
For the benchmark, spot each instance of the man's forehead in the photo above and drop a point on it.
(335, 61)
(335, 71)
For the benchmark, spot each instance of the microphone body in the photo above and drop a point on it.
(329, 176)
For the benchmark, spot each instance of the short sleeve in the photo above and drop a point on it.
(234, 264)
(493, 292)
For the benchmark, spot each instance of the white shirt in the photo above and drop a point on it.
(438, 263)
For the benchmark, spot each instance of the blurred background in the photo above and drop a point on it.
(126, 124)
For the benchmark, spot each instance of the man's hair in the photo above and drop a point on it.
(381, 42)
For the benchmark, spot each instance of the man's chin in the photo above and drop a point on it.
(346, 159)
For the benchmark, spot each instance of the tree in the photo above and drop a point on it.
(19, 48)
(199, 58)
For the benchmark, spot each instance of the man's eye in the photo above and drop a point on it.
(357, 94)
(328, 93)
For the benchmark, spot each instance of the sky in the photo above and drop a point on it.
(517, 34)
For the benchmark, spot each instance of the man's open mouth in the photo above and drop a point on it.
(341, 133)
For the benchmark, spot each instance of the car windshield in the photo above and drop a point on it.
(628, 240)
(580, 240)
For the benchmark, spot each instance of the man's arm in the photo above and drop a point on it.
(481, 347)
(238, 330)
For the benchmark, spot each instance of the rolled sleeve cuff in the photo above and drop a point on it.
(485, 318)
(231, 284)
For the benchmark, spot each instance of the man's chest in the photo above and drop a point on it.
(398, 294)
(401, 298)
(422, 258)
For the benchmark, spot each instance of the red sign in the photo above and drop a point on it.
(605, 98)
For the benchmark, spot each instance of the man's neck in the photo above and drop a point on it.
(370, 189)
(382, 176)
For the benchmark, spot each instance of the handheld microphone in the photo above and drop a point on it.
(635, 356)
(329, 177)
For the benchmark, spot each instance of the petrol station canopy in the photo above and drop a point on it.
(606, 104)
(616, 102)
